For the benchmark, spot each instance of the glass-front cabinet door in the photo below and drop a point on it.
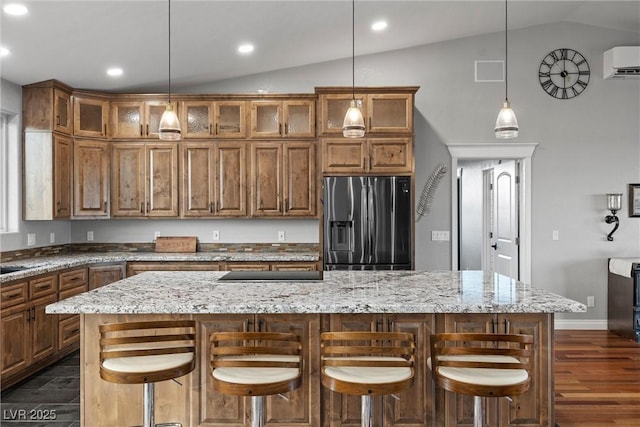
(62, 111)
(299, 119)
(230, 118)
(390, 113)
(266, 119)
(333, 108)
(90, 117)
(126, 119)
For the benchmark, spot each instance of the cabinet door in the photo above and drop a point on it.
(216, 409)
(333, 108)
(127, 180)
(302, 406)
(61, 111)
(104, 274)
(390, 113)
(344, 155)
(15, 344)
(62, 176)
(230, 119)
(344, 409)
(295, 266)
(198, 179)
(153, 111)
(266, 176)
(230, 191)
(266, 119)
(299, 179)
(197, 119)
(90, 178)
(390, 155)
(299, 119)
(43, 329)
(162, 179)
(127, 119)
(90, 117)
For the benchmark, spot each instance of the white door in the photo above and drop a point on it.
(504, 230)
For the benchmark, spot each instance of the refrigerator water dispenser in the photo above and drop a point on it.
(341, 235)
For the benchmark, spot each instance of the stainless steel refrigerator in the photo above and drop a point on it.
(367, 222)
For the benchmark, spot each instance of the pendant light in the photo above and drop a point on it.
(169, 128)
(506, 123)
(353, 125)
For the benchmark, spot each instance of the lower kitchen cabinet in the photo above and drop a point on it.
(134, 268)
(70, 283)
(100, 275)
(300, 407)
(412, 407)
(533, 408)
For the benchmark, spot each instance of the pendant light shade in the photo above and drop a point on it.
(353, 125)
(169, 127)
(506, 123)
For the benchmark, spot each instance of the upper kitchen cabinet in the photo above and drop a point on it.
(144, 179)
(46, 106)
(214, 119)
(47, 176)
(290, 118)
(367, 155)
(91, 159)
(136, 118)
(90, 115)
(386, 110)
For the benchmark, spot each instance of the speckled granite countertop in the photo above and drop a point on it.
(339, 292)
(43, 265)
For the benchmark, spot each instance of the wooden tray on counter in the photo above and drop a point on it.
(175, 244)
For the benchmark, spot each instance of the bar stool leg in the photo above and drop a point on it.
(478, 411)
(257, 414)
(366, 414)
(148, 405)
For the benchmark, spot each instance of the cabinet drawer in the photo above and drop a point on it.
(43, 286)
(73, 279)
(68, 331)
(13, 295)
(73, 291)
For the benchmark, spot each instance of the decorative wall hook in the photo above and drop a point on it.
(614, 201)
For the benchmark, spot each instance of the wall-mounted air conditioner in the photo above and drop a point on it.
(621, 62)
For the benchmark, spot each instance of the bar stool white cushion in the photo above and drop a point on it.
(366, 374)
(256, 375)
(147, 363)
(482, 376)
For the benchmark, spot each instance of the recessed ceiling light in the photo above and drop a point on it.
(15, 9)
(379, 25)
(4, 51)
(115, 72)
(245, 48)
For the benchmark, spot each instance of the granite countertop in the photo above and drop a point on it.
(41, 265)
(340, 292)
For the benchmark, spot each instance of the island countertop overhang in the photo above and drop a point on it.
(199, 292)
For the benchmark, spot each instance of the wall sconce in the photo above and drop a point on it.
(614, 201)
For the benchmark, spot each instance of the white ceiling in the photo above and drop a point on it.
(76, 41)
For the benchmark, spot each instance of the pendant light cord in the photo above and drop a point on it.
(353, 49)
(506, 55)
(169, 51)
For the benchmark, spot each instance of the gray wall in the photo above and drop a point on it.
(588, 146)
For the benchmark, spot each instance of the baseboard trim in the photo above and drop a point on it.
(595, 324)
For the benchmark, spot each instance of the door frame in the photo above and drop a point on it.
(522, 151)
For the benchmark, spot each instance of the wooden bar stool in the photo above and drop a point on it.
(481, 365)
(256, 364)
(367, 364)
(145, 353)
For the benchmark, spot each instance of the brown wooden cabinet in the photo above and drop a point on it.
(282, 179)
(136, 118)
(144, 179)
(90, 116)
(15, 316)
(46, 106)
(100, 275)
(134, 268)
(214, 119)
(214, 179)
(367, 155)
(533, 408)
(47, 176)
(295, 266)
(91, 159)
(72, 282)
(291, 118)
(413, 407)
(301, 406)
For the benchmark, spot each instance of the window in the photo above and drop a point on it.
(9, 173)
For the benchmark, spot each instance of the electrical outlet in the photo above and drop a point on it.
(216, 234)
(52, 237)
(281, 236)
(89, 236)
(591, 301)
(439, 235)
(555, 235)
(31, 239)
(156, 234)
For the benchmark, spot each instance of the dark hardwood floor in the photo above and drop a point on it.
(597, 379)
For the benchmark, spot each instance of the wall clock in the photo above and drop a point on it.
(564, 73)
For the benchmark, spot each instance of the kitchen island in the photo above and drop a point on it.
(419, 302)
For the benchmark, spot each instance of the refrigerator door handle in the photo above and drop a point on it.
(371, 221)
